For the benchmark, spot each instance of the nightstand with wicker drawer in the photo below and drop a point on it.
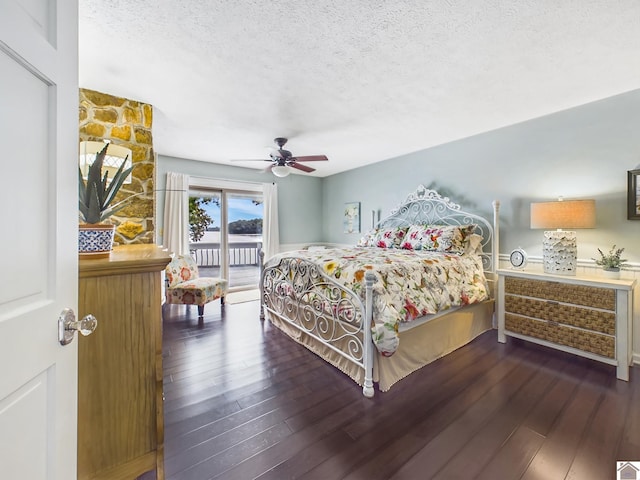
(586, 316)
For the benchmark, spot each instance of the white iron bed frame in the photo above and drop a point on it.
(298, 291)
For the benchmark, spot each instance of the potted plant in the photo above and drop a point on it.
(96, 196)
(611, 262)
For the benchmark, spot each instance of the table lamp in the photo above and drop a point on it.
(560, 248)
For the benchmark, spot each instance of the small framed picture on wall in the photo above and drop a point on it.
(352, 217)
(633, 195)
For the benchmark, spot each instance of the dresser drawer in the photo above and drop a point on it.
(582, 314)
(584, 340)
(604, 298)
(587, 318)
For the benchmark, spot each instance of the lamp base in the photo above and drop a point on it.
(559, 252)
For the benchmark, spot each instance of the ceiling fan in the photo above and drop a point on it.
(282, 159)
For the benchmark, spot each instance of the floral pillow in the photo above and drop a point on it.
(392, 237)
(438, 238)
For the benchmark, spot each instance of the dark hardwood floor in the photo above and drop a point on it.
(243, 401)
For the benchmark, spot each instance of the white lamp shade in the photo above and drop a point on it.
(280, 171)
(565, 214)
(115, 156)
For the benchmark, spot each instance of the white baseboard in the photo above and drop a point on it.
(286, 247)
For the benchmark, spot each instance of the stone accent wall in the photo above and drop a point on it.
(128, 123)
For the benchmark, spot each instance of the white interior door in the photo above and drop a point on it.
(38, 244)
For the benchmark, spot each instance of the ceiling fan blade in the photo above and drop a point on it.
(311, 158)
(299, 166)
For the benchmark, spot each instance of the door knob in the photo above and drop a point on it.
(68, 326)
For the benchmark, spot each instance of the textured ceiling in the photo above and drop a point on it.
(358, 80)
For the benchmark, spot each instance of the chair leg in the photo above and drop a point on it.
(200, 310)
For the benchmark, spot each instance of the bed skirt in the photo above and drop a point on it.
(419, 346)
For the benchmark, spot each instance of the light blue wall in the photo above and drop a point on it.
(299, 196)
(583, 152)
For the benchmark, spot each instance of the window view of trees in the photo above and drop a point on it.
(246, 227)
(199, 219)
(235, 255)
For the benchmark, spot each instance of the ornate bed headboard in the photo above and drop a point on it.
(428, 207)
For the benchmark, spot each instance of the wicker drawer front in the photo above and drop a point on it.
(595, 297)
(596, 320)
(572, 337)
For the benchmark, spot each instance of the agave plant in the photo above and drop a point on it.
(98, 193)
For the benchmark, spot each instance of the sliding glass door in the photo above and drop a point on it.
(205, 230)
(225, 229)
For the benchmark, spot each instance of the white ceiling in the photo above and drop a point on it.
(358, 80)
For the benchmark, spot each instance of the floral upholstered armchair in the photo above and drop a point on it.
(186, 287)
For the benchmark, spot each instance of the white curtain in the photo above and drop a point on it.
(270, 230)
(176, 214)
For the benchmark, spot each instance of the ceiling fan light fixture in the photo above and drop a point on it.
(280, 171)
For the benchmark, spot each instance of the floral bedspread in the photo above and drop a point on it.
(409, 284)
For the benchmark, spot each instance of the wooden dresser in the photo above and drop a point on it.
(587, 316)
(120, 399)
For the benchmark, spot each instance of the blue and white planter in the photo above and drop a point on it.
(95, 240)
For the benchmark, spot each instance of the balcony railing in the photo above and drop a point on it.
(240, 253)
